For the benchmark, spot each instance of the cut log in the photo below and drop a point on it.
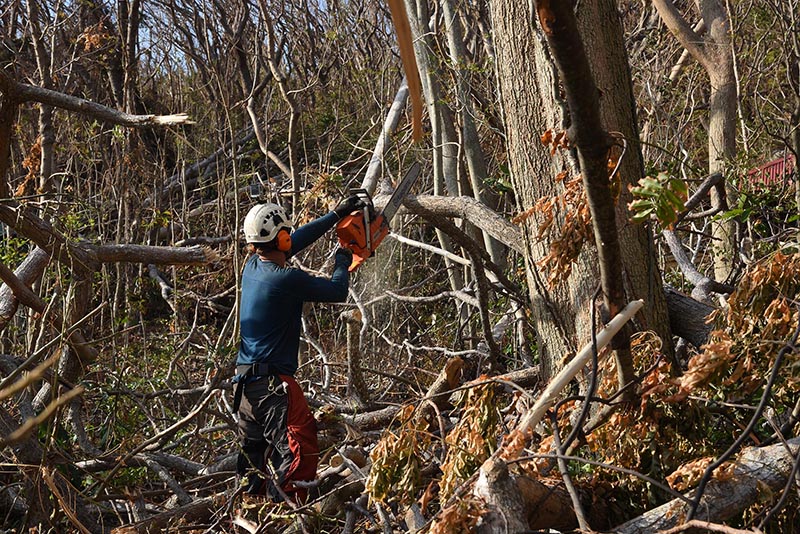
(758, 472)
(504, 508)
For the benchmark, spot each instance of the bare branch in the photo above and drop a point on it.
(467, 208)
(194, 255)
(682, 30)
(29, 425)
(31, 300)
(22, 92)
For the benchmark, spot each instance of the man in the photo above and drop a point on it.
(275, 423)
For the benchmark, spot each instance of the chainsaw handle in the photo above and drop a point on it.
(366, 198)
(356, 263)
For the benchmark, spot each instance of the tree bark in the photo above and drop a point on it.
(29, 271)
(504, 510)
(593, 143)
(608, 56)
(756, 471)
(528, 86)
(714, 52)
(687, 317)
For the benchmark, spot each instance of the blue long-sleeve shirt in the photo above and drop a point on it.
(272, 301)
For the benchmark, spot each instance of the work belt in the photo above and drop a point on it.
(247, 373)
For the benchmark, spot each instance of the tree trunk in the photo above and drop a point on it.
(443, 137)
(715, 54)
(527, 83)
(473, 154)
(605, 47)
(721, 151)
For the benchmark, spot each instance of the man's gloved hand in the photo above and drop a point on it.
(344, 255)
(349, 205)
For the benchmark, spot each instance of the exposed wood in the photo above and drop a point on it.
(404, 43)
(504, 507)
(104, 191)
(549, 396)
(370, 181)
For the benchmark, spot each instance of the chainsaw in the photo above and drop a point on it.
(362, 231)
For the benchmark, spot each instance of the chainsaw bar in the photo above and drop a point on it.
(362, 231)
(396, 200)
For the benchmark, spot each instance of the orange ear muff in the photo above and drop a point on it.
(284, 241)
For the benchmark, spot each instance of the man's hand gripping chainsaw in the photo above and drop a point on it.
(362, 231)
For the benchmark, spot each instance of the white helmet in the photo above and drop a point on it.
(263, 222)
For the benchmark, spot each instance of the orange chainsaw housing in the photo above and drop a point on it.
(352, 234)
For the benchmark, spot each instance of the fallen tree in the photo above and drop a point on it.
(757, 473)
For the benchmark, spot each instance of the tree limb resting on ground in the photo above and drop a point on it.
(757, 470)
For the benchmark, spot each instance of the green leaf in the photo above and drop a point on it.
(640, 204)
(673, 199)
(680, 187)
(642, 215)
(645, 192)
